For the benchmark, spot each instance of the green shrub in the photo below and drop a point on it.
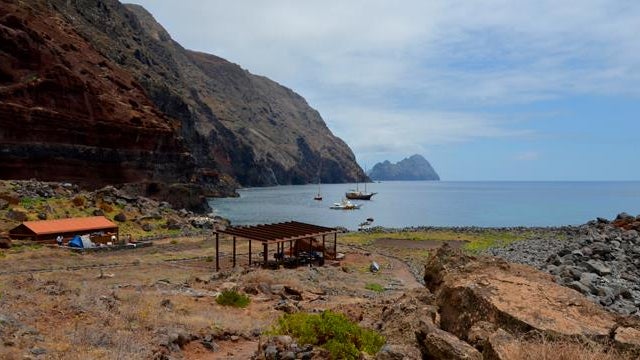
(332, 331)
(233, 298)
(31, 202)
(374, 287)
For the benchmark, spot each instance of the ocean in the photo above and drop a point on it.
(428, 203)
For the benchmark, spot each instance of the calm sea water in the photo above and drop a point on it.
(415, 203)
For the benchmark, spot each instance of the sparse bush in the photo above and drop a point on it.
(233, 298)
(374, 287)
(332, 331)
(78, 201)
(107, 208)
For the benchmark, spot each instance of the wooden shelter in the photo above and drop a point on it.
(49, 230)
(280, 234)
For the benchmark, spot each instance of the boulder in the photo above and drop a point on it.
(5, 242)
(439, 344)
(598, 267)
(497, 347)
(16, 215)
(3, 204)
(120, 217)
(516, 298)
(173, 224)
(293, 293)
(399, 352)
(627, 338)
(287, 306)
(480, 333)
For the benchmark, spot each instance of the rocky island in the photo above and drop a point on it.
(414, 167)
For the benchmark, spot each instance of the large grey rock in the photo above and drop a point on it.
(598, 267)
(398, 352)
(576, 285)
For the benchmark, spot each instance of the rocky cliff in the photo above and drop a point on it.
(415, 167)
(66, 112)
(97, 92)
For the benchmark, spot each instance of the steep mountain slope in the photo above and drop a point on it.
(415, 167)
(232, 121)
(67, 113)
(98, 92)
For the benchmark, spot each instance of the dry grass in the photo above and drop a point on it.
(562, 350)
(119, 317)
(122, 317)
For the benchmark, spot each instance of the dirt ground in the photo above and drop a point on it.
(56, 304)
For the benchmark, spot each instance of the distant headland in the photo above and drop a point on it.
(415, 167)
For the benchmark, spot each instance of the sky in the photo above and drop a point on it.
(485, 90)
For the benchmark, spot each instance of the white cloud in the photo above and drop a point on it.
(377, 130)
(416, 73)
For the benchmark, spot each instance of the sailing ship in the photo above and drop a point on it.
(359, 195)
(319, 195)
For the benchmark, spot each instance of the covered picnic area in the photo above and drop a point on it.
(290, 242)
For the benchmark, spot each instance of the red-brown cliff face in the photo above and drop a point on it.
(95, 91)
(69, 113)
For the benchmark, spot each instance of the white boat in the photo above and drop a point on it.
(345, 205)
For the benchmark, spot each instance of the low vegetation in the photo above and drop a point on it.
(332, 331)
(475, 241)
(233, 298)
(374, 287)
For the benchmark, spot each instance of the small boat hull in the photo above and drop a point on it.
(345, 205)
(359, 196)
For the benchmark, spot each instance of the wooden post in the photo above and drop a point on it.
(291, 248)
(335, 245)
(234, 251)
(217, 252)
(323, 252)
(250, 252)
(265, 253)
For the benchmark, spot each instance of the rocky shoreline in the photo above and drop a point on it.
(601, 260)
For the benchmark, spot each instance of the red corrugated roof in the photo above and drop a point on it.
(69, 225)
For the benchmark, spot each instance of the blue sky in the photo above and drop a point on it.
(486, 90)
